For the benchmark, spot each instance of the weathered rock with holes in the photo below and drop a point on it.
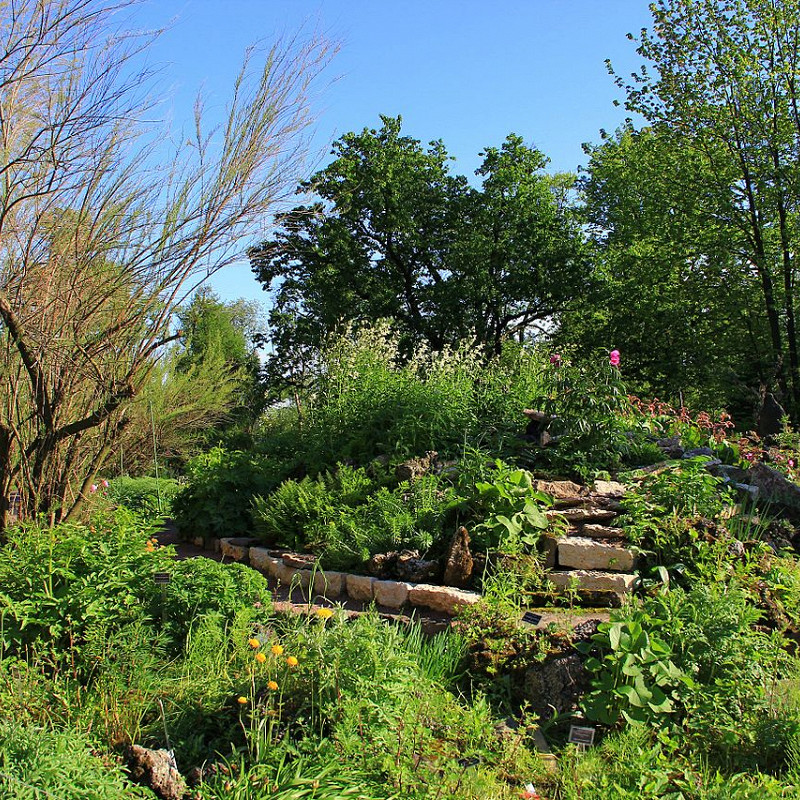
(155, 769)
(580, 552)
(392, 594)
(359, 588)
(410, 567)
(441, 598)
(775, 488)
(458, 567)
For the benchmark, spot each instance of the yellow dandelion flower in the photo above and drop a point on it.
(272, 686)
(242, 701)
(324, 613)
(261, 658)
(254, 643)
(277, 649)
(292, 661)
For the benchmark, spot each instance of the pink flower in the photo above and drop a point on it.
(790, 462)
(105, 484)
(93, 488)
(613, 358)
(555, 359)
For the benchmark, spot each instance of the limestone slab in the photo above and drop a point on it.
(580, 552)
(593, 580)
(595, 531)
(236, 548)
(359, 588)
(328, 584)
(392, 594)
(610, 488)
(263, 559)
(441, 598)
(574, 515)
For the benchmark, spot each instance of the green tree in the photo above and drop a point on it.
(669, 287)
(393, 234)
(223, 338)
(721, 77)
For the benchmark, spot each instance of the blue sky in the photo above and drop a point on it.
(465, 72)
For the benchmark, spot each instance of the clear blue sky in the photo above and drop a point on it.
(466, 72)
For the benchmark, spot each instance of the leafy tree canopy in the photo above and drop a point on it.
(391, 233)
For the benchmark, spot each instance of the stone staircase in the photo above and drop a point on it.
(593, 560)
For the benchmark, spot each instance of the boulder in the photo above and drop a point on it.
(775, 488)
(458, 567)
(416, 467)
(441, 598)
(410, 567)
(156, 770)
(770, 417)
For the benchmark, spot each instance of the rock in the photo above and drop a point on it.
(155, 769)
(458, 567)
(602, 532)
(775, 488)
(770, 417)
(593, 580)
(610, 488)
(392, 594)
(236, 548)
(536, 429)
(548, 547)
(359, 588)
(264, 560)
(415, 467)
(583, 514)
(580, 552)
(699, 451)
(729, 472)
(561, 490)
(299, 561)
(328, 584)
(410, 567)
(441, 598)
(382, 565)
(671, 446)
(556, 685)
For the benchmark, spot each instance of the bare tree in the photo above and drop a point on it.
(105, 227)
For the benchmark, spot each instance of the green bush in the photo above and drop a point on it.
(149, 496)
(39, 763)
(215, 502)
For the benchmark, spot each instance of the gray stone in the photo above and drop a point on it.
(773, 486)
(580, 552)
(548, 547)
(392, 594)
(441, 598)
(359, 588)
(770, 417)
(699, 451)
(328, 584)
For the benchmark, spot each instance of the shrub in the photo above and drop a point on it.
(149, 496)
(215, 502)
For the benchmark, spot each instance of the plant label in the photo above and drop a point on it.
(161, 578)
(466, 763)
(581, 736)
(530, 618)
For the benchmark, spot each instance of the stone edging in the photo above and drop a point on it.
(334, 585)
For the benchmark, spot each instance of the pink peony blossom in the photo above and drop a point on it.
(613, 358)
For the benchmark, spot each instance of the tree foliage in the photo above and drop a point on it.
(721, 77)
(105, 227)
(394, 234)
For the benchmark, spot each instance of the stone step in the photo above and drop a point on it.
(594, 531)
(587, 580)
(581, 552)
(591, 515)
